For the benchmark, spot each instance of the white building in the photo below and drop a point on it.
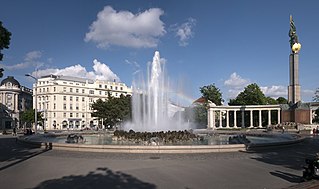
(65, 102)
(14, 99)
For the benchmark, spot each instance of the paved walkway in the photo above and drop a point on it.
(274, 168)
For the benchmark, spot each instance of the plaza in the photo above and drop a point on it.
(31, 167)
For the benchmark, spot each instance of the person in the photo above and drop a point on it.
(283, 129)
(14, 132)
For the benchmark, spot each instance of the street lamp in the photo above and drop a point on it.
(35, 101)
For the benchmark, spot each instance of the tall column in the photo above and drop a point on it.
(242, 119)
(227, 118)
(269, 117)
(213, 120)
(251, 118)
(235, 119)
(279, 116)
(260, 125)
(220, 119)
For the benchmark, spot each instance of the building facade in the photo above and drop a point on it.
(14, 99)
(65, 102)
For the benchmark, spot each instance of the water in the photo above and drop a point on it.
(150, 102)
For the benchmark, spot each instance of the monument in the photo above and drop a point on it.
(294, 87)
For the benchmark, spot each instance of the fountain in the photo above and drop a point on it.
(150, 102)
(152, 130)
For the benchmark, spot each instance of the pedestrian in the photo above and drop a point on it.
(14, 132)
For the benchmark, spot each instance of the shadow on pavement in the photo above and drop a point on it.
(12, 152)
(287, 176)
(101, 178)
(291, 156)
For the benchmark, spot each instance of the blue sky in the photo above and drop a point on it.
(227, 42)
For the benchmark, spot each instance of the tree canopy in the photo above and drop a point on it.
(113, 110)
(5, 37)
(28, 116)
(282, 100)
(252, 95)
(212, 93)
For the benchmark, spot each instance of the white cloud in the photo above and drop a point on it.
(185, 31)
(33, 55)
(100, 71)
(32, 59)
(275, 91)
(123, 28)
(236, 81)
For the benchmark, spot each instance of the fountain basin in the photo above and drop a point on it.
(258, 141)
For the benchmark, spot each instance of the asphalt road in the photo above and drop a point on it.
(31, 167)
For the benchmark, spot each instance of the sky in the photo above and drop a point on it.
(228, 43)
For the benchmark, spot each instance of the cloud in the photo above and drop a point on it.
(236, 81)
(236, 84)
(185, 31)
(31, 59)
(100, 71)
(123, 28)
(275, 91)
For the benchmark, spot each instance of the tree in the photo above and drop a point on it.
(270, 101)
(252, 95)
(316, 97)
(113, 110)
(282, 100)
(212, 93)
(27, 117)
(5, 37)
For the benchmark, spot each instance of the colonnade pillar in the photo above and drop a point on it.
(269, 117)
(242, 119)
(235, 119)
(227, 118)
(260, 124)
(220, 119)
(251, 118)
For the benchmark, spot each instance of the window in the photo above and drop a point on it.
(54, 97)
(115, 88)
(77, 99)
(64, 89)
(106, 86)
(53, 114)
(83, 115)
(64, 97)
(77, 90)
(71, 114)
(54, 106)
(100, 86)
(77, 106)
(100, 92)
(71, 90)
(71, 107)
(64, 114)
(83, 99)
(121, 88)
(54, 89)
(64, 106)
(47, 89)
(83, 91)
(110, 87)
(71, 83)
(40, 90)
(71, 98)
(77, 115)
(91, 92)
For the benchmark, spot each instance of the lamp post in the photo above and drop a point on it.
(35, 102)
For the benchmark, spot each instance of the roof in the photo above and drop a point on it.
(11, 80)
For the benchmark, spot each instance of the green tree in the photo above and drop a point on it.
(252, 95)
(27, 117)
(212, 93)
(282, 100)
(5, 37)
(113, 110)
(270, 100)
